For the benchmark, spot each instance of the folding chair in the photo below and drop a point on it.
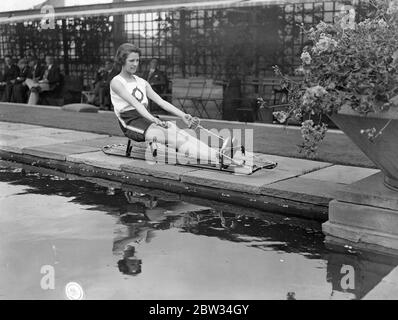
(207, 97)
(275, 97)
(194, 94)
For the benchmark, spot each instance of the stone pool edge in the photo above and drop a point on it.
(297, 187)
(288, 205)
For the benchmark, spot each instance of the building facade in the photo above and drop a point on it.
(216, 39)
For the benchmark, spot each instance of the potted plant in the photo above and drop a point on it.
(350, 73)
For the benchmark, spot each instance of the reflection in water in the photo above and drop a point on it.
(143, 214)
(291, 296)
(134, 217)
(129, 264)
(368, 269)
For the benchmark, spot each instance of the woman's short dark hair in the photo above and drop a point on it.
(123, 52)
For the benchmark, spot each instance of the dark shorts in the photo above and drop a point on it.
(135, 125)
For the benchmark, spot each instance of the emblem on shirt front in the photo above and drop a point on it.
(137, 93)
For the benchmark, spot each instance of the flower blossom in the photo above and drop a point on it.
(306, 58)
(393, 7)
(324, 44)
(312, 94)
(299, 71)
(280, 116)
(382, 23)
(322, 26)
(395, 57)
(348, 20)
(366, 24)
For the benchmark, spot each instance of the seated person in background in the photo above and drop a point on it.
(35, 74)
(48, 86)
(157, 79)
(36, 71)
(20, 90)
(11, 72)
(2, 83)
(101, 86)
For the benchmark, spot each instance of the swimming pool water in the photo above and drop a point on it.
(126, 242)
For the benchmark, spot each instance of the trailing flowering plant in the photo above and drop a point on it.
(348, 65)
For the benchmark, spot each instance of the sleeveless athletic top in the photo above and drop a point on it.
(137, 89)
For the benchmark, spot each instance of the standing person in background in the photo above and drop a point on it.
(20, 90)
(11, 72)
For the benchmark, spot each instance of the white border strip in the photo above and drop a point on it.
(115, 11)
(134, 9)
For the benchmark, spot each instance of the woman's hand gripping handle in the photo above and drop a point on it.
(191, 122)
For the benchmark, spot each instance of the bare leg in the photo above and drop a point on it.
(184, 142)
(33, 98)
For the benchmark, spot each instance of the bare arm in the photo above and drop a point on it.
(122, 92)
(163, 103)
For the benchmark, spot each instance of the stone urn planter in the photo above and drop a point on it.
(383, 150)
(364, 214)
(342, 66)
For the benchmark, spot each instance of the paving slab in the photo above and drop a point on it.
(21, 132)
(76, 135)
(364, 217)
(341, 174)
(366, 214)
(159, 170)
(35, 132)
(17, 126)
(61, 134)
(229, 181)
(370, 191)
(298, 166)
(306, 190)
(103, 141)
(17, 145)
(57, 151)
(100, 160)
(4, 138)
(360, 238)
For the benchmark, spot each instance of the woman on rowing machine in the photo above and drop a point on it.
(129, 95)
